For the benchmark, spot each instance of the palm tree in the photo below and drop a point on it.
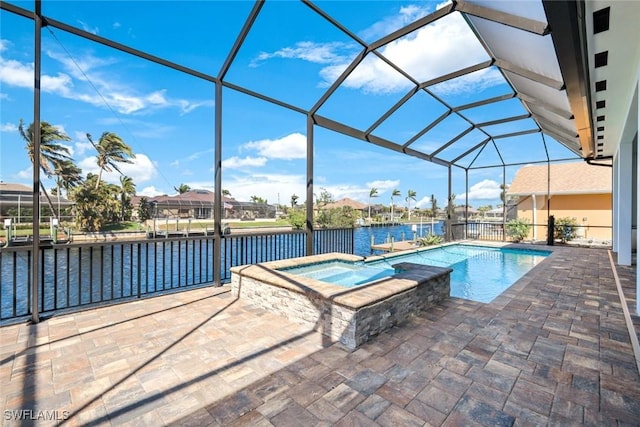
(503, 193)
(411, 195)
(68, 176)
(51, 153)
(395, 193)
(226, 193)
(434, 205)
(111, 151)
(184, 188)
(372, 193)
(294, 200)
(127, 190)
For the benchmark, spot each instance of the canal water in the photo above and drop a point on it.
(74, 279)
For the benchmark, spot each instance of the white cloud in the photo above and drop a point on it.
(149, 192)
(293, 146)
(405, 16)
(87, 28)
(69, 148)
(26, 173)
(141, 170)
(8, 127)
(486, 189)
(15, 73)
(236, 162)
(267, 186)
(82, 147)
(70, 84)
(382, 185)
(319, 53)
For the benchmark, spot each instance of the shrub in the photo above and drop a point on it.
(565, 229)
(297, 218)
(429, 240)
(518, 229)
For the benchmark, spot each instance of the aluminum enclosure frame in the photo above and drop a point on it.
(564, 24)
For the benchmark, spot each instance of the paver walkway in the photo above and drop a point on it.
(553, 349)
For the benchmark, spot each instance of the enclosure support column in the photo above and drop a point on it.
(615, 202)
(636, 144)
(217, 194)
(534, 213)
(449, 209)
(549, 232)
(309, 230)
(504, 203)
(466, 202)
(624, 211)
(35, 258)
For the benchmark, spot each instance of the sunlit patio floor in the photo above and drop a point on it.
(553, 349)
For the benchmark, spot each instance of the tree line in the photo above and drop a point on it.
(96, 203)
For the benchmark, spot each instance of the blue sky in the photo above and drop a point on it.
(291, 54)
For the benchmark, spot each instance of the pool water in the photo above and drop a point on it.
(343, 273)
(479, 273)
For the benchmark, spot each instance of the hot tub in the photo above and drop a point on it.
(351, 315)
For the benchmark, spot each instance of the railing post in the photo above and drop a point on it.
(139, 272)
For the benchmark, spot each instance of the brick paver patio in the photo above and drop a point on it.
(553, 349)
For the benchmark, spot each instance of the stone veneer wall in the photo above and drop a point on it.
(352, 326)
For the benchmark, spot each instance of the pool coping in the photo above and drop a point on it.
(358, 297)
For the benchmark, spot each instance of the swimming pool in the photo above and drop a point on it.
(480, 273)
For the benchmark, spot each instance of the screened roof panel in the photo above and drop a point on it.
(381, 17)
(442, 133)
(419, 110)
(487, 156)
(558, 150)
(526, 8)
(511, 148)
(545, 94)
(497, 110)
(523, 49)
(310, 48)
(548, 117)
(370, 90)
(472, 87)
(439, 48)
(463, 145)
(157, 37)
(511, 127)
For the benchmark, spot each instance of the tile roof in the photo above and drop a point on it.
(14, 188)
(354, 204)
(565, 178)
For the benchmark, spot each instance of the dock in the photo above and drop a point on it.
(402, 245)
